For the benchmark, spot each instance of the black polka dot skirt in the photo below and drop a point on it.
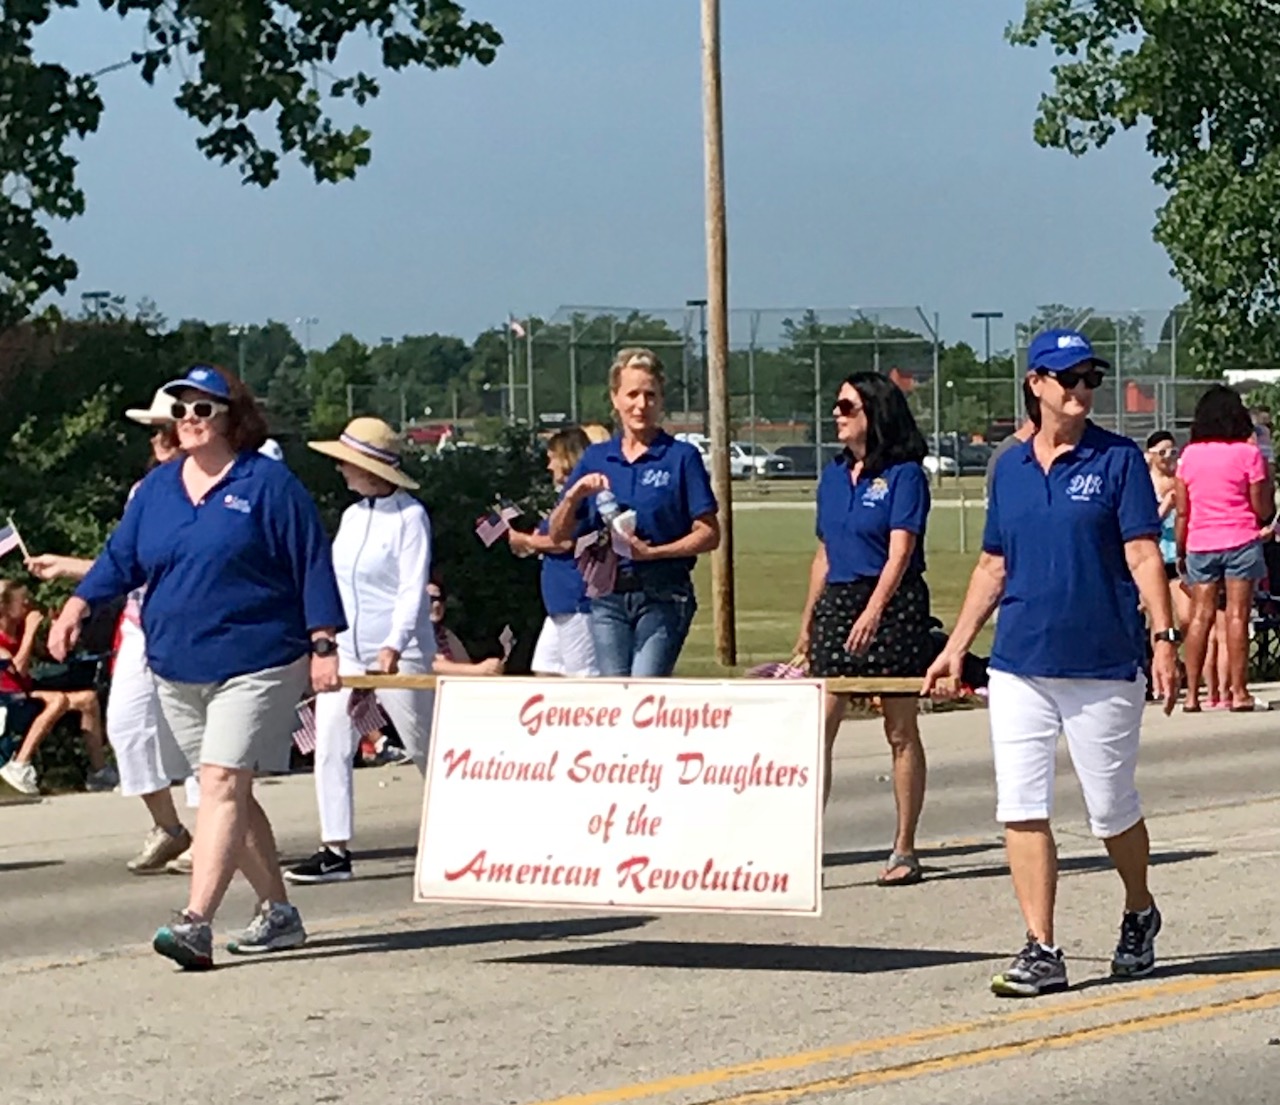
(902, 645)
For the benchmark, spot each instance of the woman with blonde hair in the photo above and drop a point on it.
(564, 646)
(657, 489)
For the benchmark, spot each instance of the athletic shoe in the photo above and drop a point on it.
(103, 780)
(1034, 971)
(158, 849)
(1136, 952)
(187, 942)
(277, 926)
(182, 864)
(325, 866)
(20, 776)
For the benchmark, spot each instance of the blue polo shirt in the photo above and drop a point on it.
(667, 486)
(564, 591)
(1070, 606)
(234, 583)
(855, 520)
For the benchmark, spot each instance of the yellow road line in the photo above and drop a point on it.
(799, 1060)
(981, 1056)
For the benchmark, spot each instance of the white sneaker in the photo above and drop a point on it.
(20, 776)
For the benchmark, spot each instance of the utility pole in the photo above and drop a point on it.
(986, 317)
(718, 326)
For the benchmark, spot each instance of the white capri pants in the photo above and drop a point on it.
(336, 741)
(565, 647)
(1101, 719)
(147, 755)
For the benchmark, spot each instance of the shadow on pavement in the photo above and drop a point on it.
(29, 865)
(752, 957)
(402, 940)
(1072, 865)
(879, 855)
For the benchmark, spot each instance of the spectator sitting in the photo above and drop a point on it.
(451, 654)
(19, 627)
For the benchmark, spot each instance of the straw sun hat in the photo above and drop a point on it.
(371, 444)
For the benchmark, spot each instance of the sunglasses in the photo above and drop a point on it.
(1090, 377)
(847, 408)
(202, 410)
(1165, 454)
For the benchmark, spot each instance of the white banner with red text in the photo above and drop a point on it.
(662, 795)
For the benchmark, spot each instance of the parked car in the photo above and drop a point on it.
(807, 460)
(747, 460)
(940, 466)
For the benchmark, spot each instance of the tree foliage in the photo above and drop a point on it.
(247, 66)
(1202, 77)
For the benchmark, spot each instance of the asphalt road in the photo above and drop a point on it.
(883, 998)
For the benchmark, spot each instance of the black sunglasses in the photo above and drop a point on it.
(847, 408)
(203, 409)
(1090, 377)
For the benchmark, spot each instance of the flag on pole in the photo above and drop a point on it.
(10, 539)
(516, 328)
(362, 708)
(507, 640)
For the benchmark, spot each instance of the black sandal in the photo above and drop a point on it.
(914, 875)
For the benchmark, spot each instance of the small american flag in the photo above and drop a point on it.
(9, 539)
(363, 709)
(508, 511)
(507, 640)
(490, 528)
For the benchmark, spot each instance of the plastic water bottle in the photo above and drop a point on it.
(607, 506)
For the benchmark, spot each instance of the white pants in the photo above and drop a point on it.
(565, 647)
(147, 755)
(336, 741)
(1101, 719)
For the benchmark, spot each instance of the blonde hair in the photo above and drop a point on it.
(637, 356)
(566, 447)
(596, 433)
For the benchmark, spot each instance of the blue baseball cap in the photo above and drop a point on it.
(202, 378)
(1060, 350)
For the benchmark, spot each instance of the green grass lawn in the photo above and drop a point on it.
(773, 550)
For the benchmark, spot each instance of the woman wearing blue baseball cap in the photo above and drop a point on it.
(241, 612)
(1070, 544)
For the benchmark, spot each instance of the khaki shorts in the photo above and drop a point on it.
(245, 723)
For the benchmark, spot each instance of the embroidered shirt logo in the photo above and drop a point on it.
(877, 492)
(234, 502)
(1083, 488)
(655, 477)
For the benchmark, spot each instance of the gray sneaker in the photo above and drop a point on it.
(188, 943)
(1034, 971)
(103, 780)
(278, 925)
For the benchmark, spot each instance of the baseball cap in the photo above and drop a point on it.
(202, 378)
(1060, 350)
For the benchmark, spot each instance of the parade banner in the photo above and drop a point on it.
(653, 795)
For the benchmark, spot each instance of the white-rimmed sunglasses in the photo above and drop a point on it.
(202, 409)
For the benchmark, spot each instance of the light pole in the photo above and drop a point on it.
(986, 317)
(238, 331)
(701, 305)
(306, 322)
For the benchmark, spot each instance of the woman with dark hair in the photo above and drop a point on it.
(242, 610)
(1223, 497)
(867, 611)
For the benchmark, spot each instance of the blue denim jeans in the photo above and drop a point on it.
(640, 633)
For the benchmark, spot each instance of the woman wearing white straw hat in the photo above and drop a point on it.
(382, 556)
(148, 758)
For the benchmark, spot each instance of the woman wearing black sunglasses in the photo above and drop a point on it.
(1070, 545)
(867, 611)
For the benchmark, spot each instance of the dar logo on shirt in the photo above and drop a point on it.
(877, 492)
(1083, 488)
(655, 477)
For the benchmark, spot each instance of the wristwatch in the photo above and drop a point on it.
(324, 646)
(1171, 636)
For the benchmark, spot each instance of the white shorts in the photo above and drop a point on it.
(565, 647)
(1101, 719)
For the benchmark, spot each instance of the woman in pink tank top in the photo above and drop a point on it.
(1224, 497)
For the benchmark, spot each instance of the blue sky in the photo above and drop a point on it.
(878, 152)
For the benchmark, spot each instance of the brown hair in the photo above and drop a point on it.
(9, 588)
(637, 356)
(246, 424)
(567, 446)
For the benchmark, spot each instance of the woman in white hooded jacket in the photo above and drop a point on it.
(382, 557)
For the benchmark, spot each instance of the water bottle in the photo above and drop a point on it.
(607, 507)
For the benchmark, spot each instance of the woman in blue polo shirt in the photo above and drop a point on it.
(867, 611)
(241, 612)
(640, 628)
(564, 646)
(1070, 544)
